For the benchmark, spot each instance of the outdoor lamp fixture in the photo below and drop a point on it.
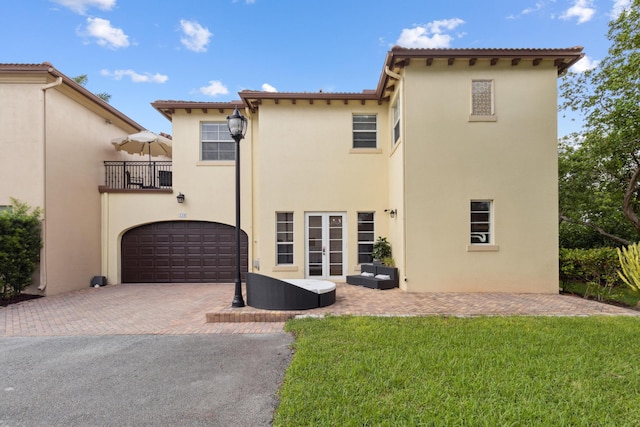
(392, 212)
(237, 127)
(180, 198)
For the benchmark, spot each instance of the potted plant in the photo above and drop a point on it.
(382, 252)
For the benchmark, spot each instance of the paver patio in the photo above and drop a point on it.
(206, 309)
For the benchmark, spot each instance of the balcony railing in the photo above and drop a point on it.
(138, 175)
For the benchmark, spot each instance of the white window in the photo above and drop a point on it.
(216, 142)
(481, 222)
(482, 98)
(365, 131)
(396, 122)
(366, 233)
(284, 238)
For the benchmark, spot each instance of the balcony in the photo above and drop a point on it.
(151, 176)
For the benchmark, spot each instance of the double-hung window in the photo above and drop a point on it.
(396, 122)
(216, 142)
(366, 234)
(284, 238)
(481, 222)
(365, 128)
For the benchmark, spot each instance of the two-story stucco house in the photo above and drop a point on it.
(54, 137)
(452, 158)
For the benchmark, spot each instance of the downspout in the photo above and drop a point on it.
(43, 255)
(254, 263)
(390, 73)
(398, 77)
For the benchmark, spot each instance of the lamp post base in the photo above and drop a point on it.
(237, 297)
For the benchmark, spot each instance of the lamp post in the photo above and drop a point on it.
(237, 127)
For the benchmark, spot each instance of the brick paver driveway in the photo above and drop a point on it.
(183, 308)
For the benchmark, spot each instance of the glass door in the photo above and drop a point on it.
(325, 245)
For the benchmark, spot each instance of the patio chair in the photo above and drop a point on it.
(133, 181)
(165, 178)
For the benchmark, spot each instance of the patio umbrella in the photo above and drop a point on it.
(145, 142)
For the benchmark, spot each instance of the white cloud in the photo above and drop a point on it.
(268, 88)
(81, 6)
(619, 6)
(136, 77)
(215, 88)
(108, 36)
(539, 5)
(581, 9)
(431, 35)
(196, 36)
(585, 64)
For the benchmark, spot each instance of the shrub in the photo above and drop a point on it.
(20, 244)
(630, 263)
(597, 268)
(381, 249)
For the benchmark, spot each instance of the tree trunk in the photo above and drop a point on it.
(629, 198)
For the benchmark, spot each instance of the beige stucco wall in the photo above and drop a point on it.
(209, 189)
(21, 134)
(450, 161)
(298, 157)
(305, 163)
(53, 147)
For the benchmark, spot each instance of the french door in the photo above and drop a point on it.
(325, 245)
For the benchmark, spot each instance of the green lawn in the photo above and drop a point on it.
(490, 371)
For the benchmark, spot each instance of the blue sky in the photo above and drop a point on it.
(140, 51)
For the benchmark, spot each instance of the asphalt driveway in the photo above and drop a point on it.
(142, 380)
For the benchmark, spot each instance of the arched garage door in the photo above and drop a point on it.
(182, 251)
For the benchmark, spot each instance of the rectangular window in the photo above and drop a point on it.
(396, 122)
(216, 142)
(284, 237)
(481, 222)
(482, 98)
(366, 233)
(365, 131)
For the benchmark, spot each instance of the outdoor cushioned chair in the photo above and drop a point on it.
(132, 181)
(270, 293)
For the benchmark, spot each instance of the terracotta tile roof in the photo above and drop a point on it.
(397, 58)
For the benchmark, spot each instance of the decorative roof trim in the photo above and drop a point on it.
(168, 107)
(397, 58)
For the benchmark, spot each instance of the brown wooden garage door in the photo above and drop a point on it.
(181, 251)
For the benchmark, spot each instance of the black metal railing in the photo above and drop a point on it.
(138, 175)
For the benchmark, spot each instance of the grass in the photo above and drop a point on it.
(490, 371)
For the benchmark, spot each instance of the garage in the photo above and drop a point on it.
(181, 252)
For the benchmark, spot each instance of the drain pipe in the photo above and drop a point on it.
(43, 255)
(390, 73)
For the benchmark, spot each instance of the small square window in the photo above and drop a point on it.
(482, 98)
(216, 142)
(365, 128)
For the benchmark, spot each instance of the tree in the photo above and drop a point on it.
(83, 79)
(20, 244)
(600, 168)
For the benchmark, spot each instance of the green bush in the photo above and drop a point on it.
(597, 268)
(381, 249)
(630, 264)
(20, 244)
